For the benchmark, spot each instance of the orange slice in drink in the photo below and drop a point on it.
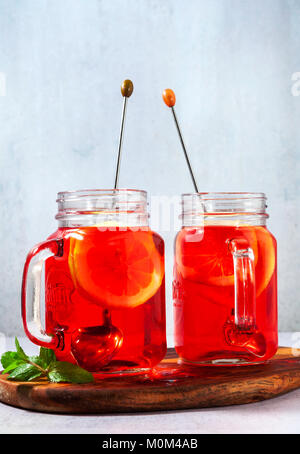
(266, 258)
(209, 261)
(116, 269)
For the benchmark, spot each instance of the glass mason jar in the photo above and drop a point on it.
(225, 280)
(102, 278)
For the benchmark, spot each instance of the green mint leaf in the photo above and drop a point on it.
(22, 367)
(25, 372)
(13, 366)
(37, 360)
(61, 371)
(36, 375)
(47, 356)
(9, 357)
(20, 350)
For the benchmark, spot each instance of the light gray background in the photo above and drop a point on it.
(230, 63)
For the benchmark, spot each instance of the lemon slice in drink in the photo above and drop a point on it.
(209, 261)
(266, 258)
(120, 269)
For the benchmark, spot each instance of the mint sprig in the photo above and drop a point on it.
(22, 367)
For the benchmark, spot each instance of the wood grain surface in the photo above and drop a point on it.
(170, 386)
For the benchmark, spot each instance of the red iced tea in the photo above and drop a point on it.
(105, 297)
(206, 328)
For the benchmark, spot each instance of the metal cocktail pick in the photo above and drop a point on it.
(170, 100)
(126, 90)
(107, 338)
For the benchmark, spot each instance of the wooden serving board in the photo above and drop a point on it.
(170, 386)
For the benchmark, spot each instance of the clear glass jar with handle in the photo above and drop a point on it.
(100, 280)
(225, 280)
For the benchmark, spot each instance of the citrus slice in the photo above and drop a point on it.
(266, 258)
(209, 260)
(117, 269)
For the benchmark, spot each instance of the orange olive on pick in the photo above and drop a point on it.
(127, 88)
(169, 97)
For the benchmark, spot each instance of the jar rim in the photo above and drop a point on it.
(226, 195)
(94, 206)
(96, 192)
(223, 205)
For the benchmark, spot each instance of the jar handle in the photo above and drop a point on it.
(31, 292)
(244, 285)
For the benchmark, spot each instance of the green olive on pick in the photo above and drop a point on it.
(127, 88)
